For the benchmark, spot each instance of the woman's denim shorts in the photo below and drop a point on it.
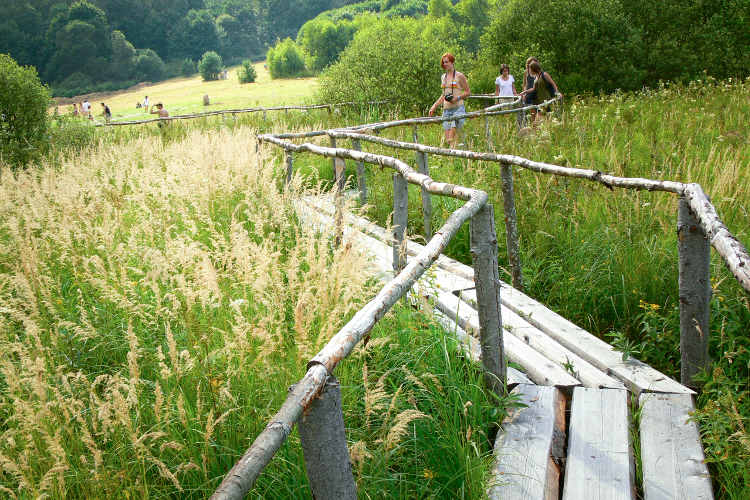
(447, 113)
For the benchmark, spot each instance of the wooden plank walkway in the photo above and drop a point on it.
(564, 370)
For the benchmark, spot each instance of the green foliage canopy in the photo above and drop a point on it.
(23, 112)
(285, 60)
(323, 40)
(247, 73)
(210, 66)
(389, 59)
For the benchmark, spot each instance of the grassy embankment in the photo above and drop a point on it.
(158, 296)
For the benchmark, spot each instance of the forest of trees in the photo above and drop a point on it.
(87, 44)
(590, 45)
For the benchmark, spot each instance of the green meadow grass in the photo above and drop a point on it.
(606, 260)
(159, 296)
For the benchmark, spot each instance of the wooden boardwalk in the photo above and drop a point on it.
(572, 439)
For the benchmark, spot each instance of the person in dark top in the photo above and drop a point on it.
(542, 89)
(106, 112)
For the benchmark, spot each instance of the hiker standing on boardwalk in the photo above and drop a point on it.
(455, 89)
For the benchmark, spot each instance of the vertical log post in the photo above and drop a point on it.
(695, 293)
(289, 166)
(511, 226)
(333, 162)
(361, 175)
(339, 166)
(400, 220)
(323, 438)
(423, 168)
(487, 136)
(487, 282)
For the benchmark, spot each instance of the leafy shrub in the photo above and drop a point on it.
(586, 45)
(210, 66)
(247, 73)
(148, 65)
(285, 60)
(23, 112)
(323, 40)
(367, 69)
(188, 67)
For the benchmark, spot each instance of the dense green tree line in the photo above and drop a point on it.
(85, 42)
(588, 45)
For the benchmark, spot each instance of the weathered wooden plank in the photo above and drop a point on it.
(472, 349)
(599, 463)
(633, 373)
(523, 468)
(671, 452)
(581, 369)
(636, 375)
(538, 368)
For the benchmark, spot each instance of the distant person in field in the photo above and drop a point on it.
(145, 103)
(544, 87)
(106, 113)
(455, 89)
(86, 108)
(74, 111)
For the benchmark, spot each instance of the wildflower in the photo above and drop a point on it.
(428, 474)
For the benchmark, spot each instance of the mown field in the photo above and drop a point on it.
(153, 281)
(185, 95)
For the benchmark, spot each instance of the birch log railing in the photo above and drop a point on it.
(331, 108)
(698, 227)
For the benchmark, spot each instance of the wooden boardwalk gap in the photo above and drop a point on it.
(558, 358)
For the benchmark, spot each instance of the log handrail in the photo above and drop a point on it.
(243, 475)
(238, 111)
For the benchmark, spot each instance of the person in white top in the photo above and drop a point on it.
(504, 84)
(86, 107)
(145, 103)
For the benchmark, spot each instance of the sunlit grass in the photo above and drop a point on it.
(185, 95)
(158, 297)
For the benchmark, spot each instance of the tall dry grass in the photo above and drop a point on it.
(154, 300)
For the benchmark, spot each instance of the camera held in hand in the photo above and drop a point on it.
(449, 97)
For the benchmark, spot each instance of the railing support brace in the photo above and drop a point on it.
(487, 282)
(423, 168)
(323, 438)
(333, 162)
(400, 221)
(361, 175)
(695, 294)
(511, 226)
